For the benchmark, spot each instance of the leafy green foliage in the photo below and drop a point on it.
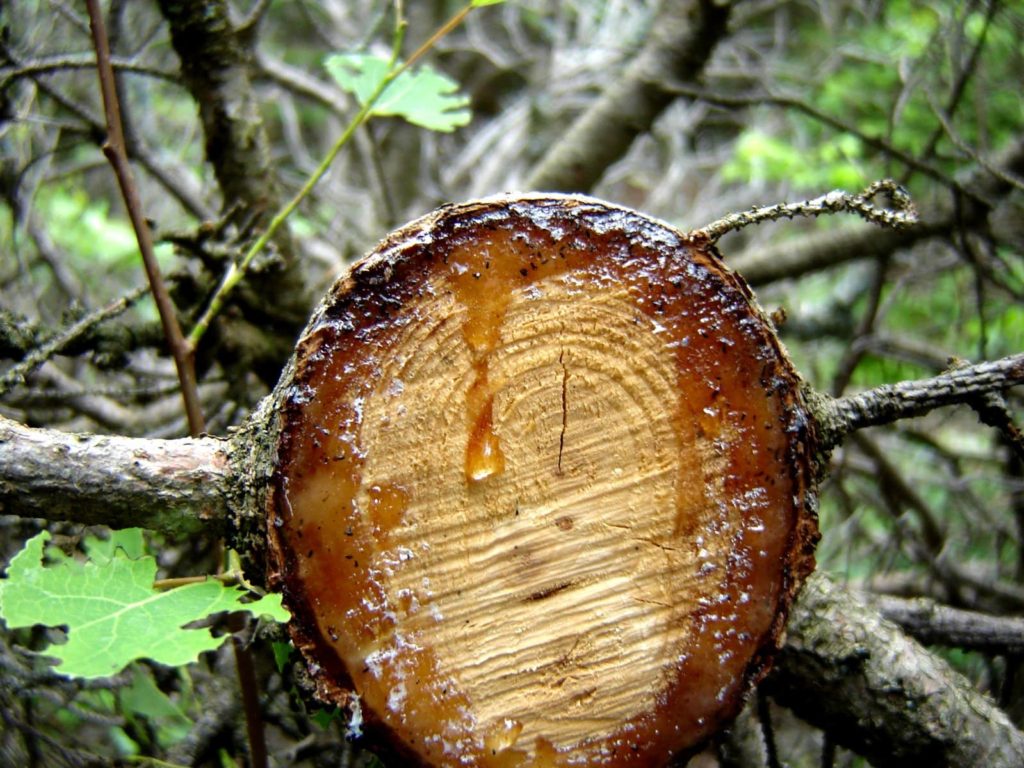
(112, 612)
(85, 229)
(482, 3)
(422, 96)
(143, 703)
(892, 97)
(761, 157)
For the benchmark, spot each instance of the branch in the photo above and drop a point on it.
(767, 98)
(174, 179)
(215, 66)
(51, 64)
(60, 341)
(891, 402)
(855, 675)
(178, 487)
(936, 624)
(901, 215)
(683, 35)
(115, 150)
(215, 69)
(820, 250)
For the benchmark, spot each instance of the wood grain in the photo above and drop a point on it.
(543, 488)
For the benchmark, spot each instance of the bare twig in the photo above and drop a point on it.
(790, 102)
(963, 77)
(891, 402)
(181, 350)
(173, 180)
(52, 64)
(946, 124)
(821, 250)
(903, 213)
(114, 149)
(44, 352)
(936, 624)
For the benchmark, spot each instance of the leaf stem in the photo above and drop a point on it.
(227, 577)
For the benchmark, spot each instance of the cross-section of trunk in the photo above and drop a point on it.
(543, 488)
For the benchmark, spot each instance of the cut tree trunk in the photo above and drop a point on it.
(543, 490)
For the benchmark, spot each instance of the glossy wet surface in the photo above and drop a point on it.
(540, 485)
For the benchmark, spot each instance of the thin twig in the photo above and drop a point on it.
(172, 180)
(59, 341)
(946, 125)
(960, 86)
(114, 149)
(902, 214)
(181, 350)
(53, 64)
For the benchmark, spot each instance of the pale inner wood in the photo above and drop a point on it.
(556, 591)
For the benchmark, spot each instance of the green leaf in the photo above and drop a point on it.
(422, 96)
(128, 540)
(282, 652)
(144, 698)
(112, 613)
(482, 3)
(162, 717)
(324, 717)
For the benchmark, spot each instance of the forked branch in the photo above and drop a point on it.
(891, 402)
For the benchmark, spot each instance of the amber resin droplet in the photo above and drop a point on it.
(544, 489)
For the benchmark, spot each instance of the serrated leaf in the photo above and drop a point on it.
(422, 96)
(112, 613)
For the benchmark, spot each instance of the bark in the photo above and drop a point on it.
(683, 35)
(178, 487)
(215, 66)
(936, 624)
(820, 250)
(891, 402)
(879, 693)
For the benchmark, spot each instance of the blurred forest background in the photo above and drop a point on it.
(684, 109)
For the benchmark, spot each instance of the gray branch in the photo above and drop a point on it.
(216, 67)
(820, 250)
(936, 624)
(891, 402)
(682, 38)
(902, 215)
(178, 487)
(857, 676)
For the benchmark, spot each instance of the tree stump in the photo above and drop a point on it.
(544, 488)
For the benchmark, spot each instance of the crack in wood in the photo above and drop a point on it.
(565, 409)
